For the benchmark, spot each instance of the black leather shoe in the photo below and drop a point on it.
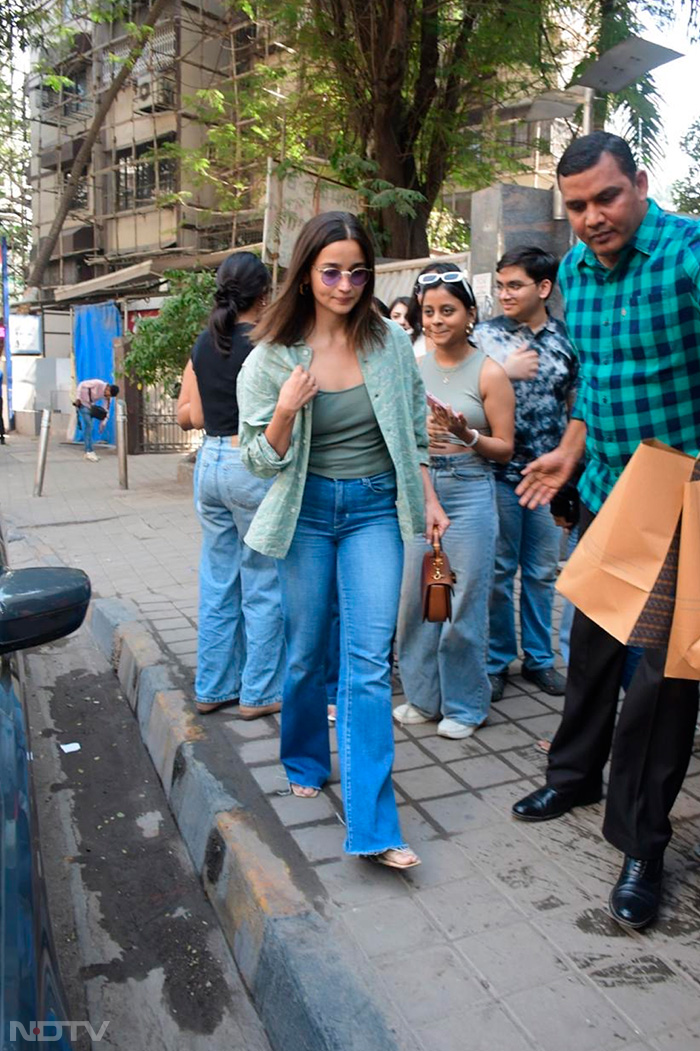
(546, 679)
(634, 900)
(546, 803)
(498, 684)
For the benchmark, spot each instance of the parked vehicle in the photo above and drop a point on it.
(36, 606)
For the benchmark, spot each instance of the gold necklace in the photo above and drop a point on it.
(447, 372)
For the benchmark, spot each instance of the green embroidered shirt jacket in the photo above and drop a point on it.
(397, 393)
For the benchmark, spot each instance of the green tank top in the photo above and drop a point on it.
(346, 441)
(458, 386)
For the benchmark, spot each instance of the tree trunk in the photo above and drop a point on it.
(82, 159)
(407, 237)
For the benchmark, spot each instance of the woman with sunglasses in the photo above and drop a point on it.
(333, 407)
(421, 342)
(443, 665)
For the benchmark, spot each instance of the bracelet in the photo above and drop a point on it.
(471, 444)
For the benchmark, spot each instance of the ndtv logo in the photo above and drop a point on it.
(47, 1032)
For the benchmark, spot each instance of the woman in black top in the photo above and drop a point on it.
(240, 651)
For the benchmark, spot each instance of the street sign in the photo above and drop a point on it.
(25, 334)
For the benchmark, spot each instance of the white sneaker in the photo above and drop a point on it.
(91, 457)
(405, 714)
(456, 731)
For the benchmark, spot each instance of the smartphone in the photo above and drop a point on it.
(435, 403)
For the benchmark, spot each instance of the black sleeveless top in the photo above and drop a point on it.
(216, 379)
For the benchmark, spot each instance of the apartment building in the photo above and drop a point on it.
(136, 202)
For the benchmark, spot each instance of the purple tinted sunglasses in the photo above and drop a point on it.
(331, 275)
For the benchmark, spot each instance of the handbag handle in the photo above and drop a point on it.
(437, 546)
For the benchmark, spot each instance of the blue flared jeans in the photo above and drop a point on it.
(347, 542)
(240, 645)
(443, 666)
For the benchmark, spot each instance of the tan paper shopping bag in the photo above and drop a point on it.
(683, 658)
(623, 572)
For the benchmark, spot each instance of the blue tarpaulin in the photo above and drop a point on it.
(94, 328)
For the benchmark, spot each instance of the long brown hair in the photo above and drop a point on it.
(291, 316)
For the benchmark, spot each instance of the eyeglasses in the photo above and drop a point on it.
(331, 275)
(513, 286)
(452, 277)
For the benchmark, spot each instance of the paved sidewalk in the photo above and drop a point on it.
(501, 939)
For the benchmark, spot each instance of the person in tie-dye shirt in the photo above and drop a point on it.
(535, 351)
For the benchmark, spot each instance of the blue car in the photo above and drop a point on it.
(36, 606)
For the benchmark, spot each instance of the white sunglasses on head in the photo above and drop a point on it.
(452, 277)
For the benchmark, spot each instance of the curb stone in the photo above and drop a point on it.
(299, 964)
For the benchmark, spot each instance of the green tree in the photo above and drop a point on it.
(686, 192)
(161, 345)
(15, 198)
(397, 96)
(401, 96)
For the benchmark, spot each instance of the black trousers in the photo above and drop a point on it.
(653, 740)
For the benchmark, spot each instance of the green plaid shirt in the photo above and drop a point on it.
(636, 329)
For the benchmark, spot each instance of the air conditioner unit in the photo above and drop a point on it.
(154, 93)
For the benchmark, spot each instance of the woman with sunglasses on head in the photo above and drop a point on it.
(421, 341)
(240, 649)
(443, 665)
(332, 405)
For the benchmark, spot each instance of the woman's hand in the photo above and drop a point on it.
(444, 423)
(438, 432)
(435, 517)
(461, 429)
(296, 391)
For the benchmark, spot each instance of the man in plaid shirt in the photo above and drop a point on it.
(632, 296)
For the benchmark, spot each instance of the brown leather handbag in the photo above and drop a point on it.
(437, 583)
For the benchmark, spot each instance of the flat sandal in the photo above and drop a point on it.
(303, 791)
(395, 858)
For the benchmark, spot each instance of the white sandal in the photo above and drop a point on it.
(395, 858)
(303, 791)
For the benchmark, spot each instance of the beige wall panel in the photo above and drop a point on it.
(203, 47)
(142, 128)
(141, 231)
(57, 334)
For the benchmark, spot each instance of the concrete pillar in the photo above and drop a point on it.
(504, 216)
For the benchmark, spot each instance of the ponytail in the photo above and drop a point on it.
(240, 281)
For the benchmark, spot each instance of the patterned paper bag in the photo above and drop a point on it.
(683, 658)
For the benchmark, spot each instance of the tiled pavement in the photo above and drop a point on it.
(501, 939)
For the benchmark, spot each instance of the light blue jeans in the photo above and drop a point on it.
(240, 646)
(86, 422)
(529, 539)
(443, 666)
(347, 538)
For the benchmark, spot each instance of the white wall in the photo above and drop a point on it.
(41, 383)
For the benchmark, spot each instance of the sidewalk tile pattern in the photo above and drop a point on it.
(501, 940)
